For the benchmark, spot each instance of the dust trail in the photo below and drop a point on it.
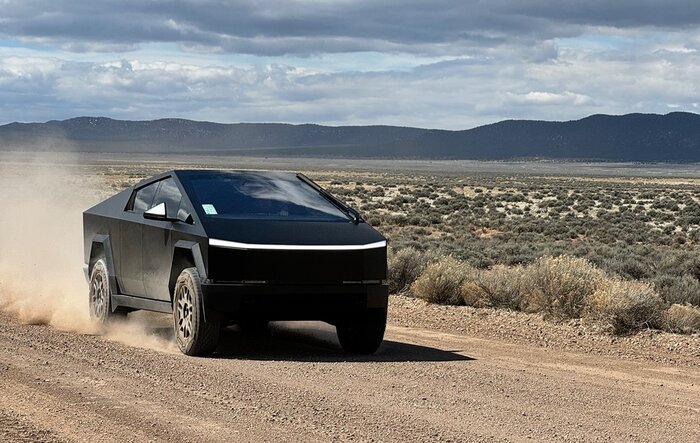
(146, 330)
(41, 255)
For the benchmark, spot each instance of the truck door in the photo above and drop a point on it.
(157, 242)
(131, 241)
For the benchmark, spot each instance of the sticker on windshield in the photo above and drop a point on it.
(209, 209)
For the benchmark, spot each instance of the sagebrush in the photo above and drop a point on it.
(684, 319)
(644, 230)
(405, 266)
(625, 306)
(561, 286)
(501, 286)
(441, 281)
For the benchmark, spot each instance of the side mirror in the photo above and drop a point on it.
(185, 216)
(158, 212)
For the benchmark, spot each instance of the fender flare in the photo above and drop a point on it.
(186, 251)
(186, 254)
(101, 247)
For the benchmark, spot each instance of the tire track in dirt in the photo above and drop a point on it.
(17, 429)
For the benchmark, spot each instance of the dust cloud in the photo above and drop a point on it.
(41, 252)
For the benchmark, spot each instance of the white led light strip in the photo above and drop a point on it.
(237, 245)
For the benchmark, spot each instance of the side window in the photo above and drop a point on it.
(169, 194)
(144, 198)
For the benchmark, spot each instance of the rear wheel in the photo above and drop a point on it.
(100, 302)
(194, 336)
(362, 334)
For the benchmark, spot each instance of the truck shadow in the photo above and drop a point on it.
(317, 341)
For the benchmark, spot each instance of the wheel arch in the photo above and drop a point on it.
(186, 254)
(101, 248)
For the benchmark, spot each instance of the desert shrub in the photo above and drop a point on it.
(632, 268)
(374, 220)
(692, 266)
(682, 262)
(440, 282)
(560, 286)
(684, 319)
(625, 306)
(500, 286)
(405, 266)
(678, 289)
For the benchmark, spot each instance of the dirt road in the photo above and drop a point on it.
(295, 384)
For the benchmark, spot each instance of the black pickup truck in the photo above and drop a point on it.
(215, 248)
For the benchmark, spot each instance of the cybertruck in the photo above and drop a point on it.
(215, 248)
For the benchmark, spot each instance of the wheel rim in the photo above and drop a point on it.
(184, 314)
(99, 294)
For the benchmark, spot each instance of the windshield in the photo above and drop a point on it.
(277, 196)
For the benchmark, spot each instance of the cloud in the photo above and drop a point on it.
(617, 14)
(550, 98)
(456, 94)
(445, 64)
(270, 27)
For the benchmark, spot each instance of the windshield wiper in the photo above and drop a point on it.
(350, 212)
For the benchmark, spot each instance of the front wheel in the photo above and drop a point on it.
(363, 333)
(194, 336)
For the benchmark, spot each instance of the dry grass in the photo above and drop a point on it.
(405, 266)
(500, 286)
(625, 306)
(560, 286)
(684, 319)
(441, 281)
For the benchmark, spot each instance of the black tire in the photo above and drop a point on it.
(362, 334)
(100, 296)
(194, 336)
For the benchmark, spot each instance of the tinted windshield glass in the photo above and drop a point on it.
(270, 196)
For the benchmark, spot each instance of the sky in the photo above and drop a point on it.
(433, 64)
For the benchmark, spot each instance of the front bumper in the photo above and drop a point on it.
(237, 301)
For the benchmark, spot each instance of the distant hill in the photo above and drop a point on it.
(633, 137)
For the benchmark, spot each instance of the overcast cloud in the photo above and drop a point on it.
(441, 64)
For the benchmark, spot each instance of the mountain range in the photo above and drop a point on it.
(673, 137)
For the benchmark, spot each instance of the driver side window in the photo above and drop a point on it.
(162, 191)
(168, 193)
(143, 200)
